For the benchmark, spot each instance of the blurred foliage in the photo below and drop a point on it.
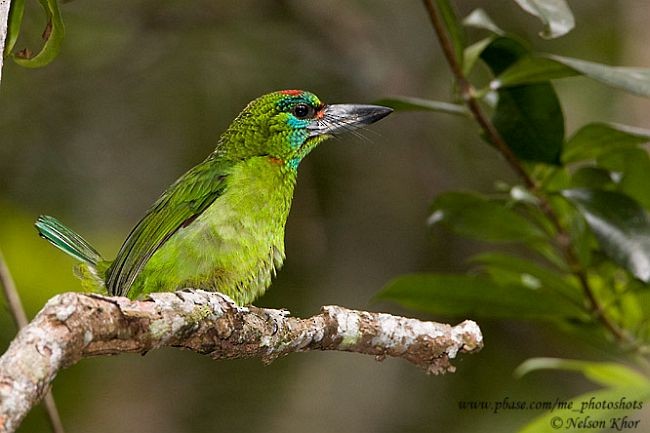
(52, 34)
(580, 209)
(140, 91)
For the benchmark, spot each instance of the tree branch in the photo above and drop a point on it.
(73, 326)
(20, 319)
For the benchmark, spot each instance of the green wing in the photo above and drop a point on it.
(179, 205)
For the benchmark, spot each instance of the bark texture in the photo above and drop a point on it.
(4, 19)
(73, 326)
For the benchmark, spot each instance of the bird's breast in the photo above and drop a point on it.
(237, 243)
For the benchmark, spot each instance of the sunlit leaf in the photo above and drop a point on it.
(626, 391)
(475, 217)
(53, 36)
(608, 374)
(479, 19)
(528, 117)
(631, 311)
(581, 415)
(554, 14)
(621, 226)
(595, 139)
(406, 103)
(473, 296)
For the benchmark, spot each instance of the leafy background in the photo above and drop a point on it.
(141, 91)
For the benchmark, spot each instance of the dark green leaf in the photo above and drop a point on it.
(554, 14)
(531, 122)
(479, 19)
(620, 225)
(475, 217)
(591, 177)
(53, 35)
(502, 53)
(473, 296)
(13, 25)
(633, 167)
(595, 139)
(529, 118)
(455, 30)
(406, 103)
(607, 374)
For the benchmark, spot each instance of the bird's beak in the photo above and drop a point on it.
(339, 118)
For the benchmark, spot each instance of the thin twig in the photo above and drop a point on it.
(11, 294)
(563, 240)
(20, 318)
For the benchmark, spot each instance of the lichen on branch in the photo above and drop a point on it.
(73, 326)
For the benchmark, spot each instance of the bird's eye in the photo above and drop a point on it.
(303, 111)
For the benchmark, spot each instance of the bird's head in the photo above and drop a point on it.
(288, 124)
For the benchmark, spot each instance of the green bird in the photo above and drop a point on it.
(220, 226)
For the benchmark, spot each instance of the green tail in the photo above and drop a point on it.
(67, 240)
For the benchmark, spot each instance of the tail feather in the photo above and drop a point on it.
(67, 240)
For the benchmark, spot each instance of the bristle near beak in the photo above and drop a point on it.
(340, 118)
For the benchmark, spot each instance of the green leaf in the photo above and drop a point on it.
(607, 374)
(584, 242)
(547, 67)
(53, 36)
(406, 103)
(551, 178)
(473, 296)
(554, 14)
(620, 225)
(531, 122)
(633, 165)
(529, 118)
(479, 19)
(532, 69)
(596, 139)
(475, 217)
(526, 271)
(473, 52)
(634, 80)
(455, 30)
(582, 409)
(13, 25)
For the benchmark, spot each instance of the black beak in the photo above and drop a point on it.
(339, 118)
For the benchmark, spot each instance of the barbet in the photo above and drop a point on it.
(220, 226)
